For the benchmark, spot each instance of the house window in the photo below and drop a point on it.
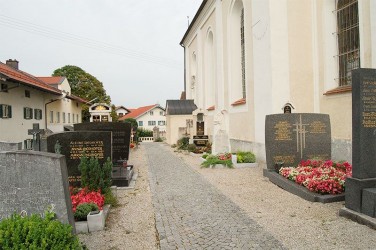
(5, 111)
(63, 117)
(58, 117)
(242, 44)
(151, 113)
(348, 39)
(161, 123)
(161, 113)
(121, 114)
(38, 114)
(73, 117)
(68, 117)
(140, 123)
(51, 116)
(28, 113)
(151, 123)
(77, 118)
(27, 93)
(4, 87)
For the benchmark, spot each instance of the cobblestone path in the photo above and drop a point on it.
(192, 214)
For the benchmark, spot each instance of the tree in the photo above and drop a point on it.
(113, 114)
(83, 85)
(133, 123)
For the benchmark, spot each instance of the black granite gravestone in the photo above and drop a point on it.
(289, 138)
(121, 136)
(74, 144)
(200, 140)
(30, 182)
(363, 181)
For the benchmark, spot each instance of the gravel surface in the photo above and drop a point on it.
(296, 223)
(132, 224)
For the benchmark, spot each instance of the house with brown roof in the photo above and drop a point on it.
(26, 100)
(148, 117)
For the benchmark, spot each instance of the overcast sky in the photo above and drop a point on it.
(132, 46)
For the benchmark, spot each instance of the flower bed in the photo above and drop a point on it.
(223, 159)
(85, 196)
(323, 177)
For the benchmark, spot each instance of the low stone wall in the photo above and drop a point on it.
(257, 148)
(10, 146)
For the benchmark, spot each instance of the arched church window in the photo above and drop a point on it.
(348, 39)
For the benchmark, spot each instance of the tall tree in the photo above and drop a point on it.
(84, 85)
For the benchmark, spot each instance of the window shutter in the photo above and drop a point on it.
(1, 110)
(40, 114)
(24, 113)
(36, 113)
(9, 111)
(31, 113)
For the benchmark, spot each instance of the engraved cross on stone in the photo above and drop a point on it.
(300, 136)
(35, 132)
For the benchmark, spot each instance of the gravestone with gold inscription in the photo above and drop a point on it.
(290, 138)
(361, 188)
(75, 144)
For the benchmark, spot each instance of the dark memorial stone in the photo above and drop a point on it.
(200, 125)
(363, 180)
(289, 138)
(200, 140)
(121, 136)
(74, 144)
(31, 182)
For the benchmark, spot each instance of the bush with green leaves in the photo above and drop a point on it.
(159, 139)
(83, 210)
(212, 160)
(183, 143)
(141, 132)
(110, 199)
(245, 157)
(35, 232)
(93, 176)
(191, 147)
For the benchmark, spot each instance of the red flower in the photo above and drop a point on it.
(84, 196)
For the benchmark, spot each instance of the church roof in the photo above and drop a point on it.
(180, 107)
(24, 78)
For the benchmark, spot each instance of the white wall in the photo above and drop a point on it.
(145, 118)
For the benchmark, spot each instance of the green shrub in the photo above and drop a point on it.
(191, 147)
(83, 210)
(245, 157)
(205, 155)
(159, 139)
(183, 143)
(34, 232)
(110, 199)
(93, 176)
(213, 160)
(141, 132)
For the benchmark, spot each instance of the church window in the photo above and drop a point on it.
(242, 52)
(348, 39)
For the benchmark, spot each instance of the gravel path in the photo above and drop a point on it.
(192, 214)
(132, 224)
(296, 223)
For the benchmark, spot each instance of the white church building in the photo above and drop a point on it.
(246, 59)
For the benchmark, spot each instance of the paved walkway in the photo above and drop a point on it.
(192, 214)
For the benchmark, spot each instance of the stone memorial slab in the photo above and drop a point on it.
(10, 146)
(121, 136)
(74, 144)
(289, 138)
(363, 178)
(32, 181)
(200, 140)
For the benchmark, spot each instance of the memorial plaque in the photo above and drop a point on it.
(74, 144)
(121, 136)
(289, 138)
(200, 128)
(31, 181)
(200, 140)
(364, 123)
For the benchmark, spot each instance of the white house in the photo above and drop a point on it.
(245, 59)
(26, 100)
(148, 117)
(121, 111)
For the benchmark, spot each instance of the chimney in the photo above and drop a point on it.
(12, 63)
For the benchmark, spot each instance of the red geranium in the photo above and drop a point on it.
(85, 196)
